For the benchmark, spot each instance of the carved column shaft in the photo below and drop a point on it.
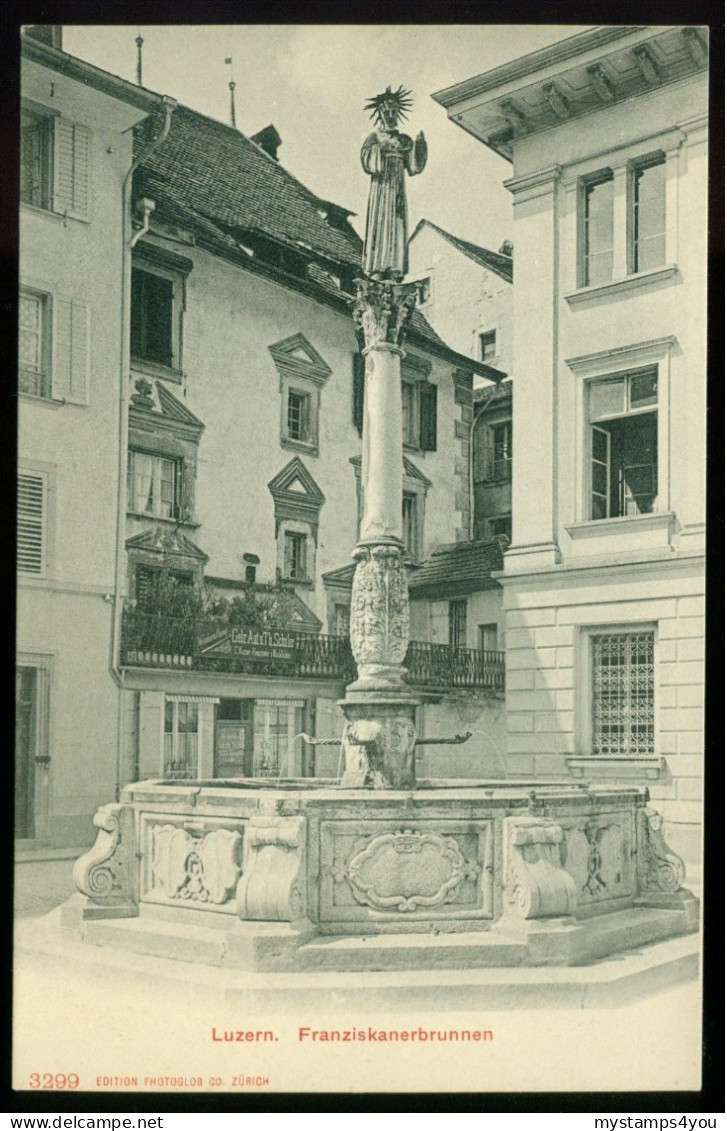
(380, 735)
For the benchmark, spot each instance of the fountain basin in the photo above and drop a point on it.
(536, 866)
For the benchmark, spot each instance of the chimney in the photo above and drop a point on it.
(50, 34)
(268, 139)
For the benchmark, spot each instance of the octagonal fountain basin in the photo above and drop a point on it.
(538, 863)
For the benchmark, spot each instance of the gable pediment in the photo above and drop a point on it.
(295, 356)
(160, 540)
(162, 410)
(296, 480)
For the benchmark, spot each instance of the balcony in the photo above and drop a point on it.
(151, 641)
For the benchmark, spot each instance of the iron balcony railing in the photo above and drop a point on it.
(152, 641)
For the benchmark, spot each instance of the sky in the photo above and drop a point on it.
(311, 82)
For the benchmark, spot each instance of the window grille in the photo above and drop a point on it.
(623, 693)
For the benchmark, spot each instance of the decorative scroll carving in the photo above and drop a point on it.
(659, 869)
(379, 607)
(196, 869)
(105, 872)
(536, 884)
(379, 753)
(381, 311)
(407, 870)
(273, 879)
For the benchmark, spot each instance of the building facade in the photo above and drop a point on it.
(465, 291)
(604, 580)
(76, 153)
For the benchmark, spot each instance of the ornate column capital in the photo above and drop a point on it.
(381, 310)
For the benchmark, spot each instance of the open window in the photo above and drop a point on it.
(623, 419)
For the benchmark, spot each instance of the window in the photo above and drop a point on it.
(53, 340)
(597, 233)
(181, 739)
(418, 404)
(33, 344)
(295, 556)
(54, 163)
(622, 688)
(32, 488)
(277, 724)
(302, 374)
(424, 287)
(299, 405)
(458, 624)
(153, 484)
(152, 588)
(500, 524)
(648, 214)
(623, 444)
(36, 137)
(488, 345)
(409, 524)
(341, 619)
(487, 637)
(152, 317)
(502, 450)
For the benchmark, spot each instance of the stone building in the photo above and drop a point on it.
(190, 618)
(604, 581)
(76, 153)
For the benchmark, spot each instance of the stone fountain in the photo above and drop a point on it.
(462, 874)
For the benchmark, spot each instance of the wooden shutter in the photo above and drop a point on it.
(70, 350)
(428, 417)
(359, 379)
(31, 522)
(71, 169)
(483, 451)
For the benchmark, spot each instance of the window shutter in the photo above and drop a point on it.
(428, 417)
(359, 378)
(70, 350)
(71, 169)
(483, 454)
(31, 521)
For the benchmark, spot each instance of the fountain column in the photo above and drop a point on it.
(379, 707)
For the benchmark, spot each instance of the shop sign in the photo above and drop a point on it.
(246, 643)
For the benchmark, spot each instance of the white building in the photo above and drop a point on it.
(465, 291)
(604, 581)
(76, 155)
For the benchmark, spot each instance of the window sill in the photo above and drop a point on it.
(627, 283)
(604, 766)
(51, 402)
(154, 369)
(186, 523)
(299, 446)
(623, 534)
(38, 210)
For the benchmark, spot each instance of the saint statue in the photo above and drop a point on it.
(385, 155)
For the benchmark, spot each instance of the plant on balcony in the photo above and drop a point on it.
(258, 607)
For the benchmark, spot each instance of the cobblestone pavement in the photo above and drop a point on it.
(40, 885)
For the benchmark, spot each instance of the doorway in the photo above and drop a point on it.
(233, 738)
(26, 749)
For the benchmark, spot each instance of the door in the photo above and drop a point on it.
(26, 737)
(233, 738)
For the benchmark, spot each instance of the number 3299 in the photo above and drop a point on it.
(53, 1081)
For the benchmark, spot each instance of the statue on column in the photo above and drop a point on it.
(385, 155)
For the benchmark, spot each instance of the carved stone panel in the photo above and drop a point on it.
(408, 870)
(537, 886)
(598, 852)
(273, 882)
(199, 869)
(659, 867)
(190, 861)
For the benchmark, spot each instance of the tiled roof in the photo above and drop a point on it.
(224, 178)
(502, 265)
(493, 394)
(458, 568)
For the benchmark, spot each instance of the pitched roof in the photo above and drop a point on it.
(493, 394)
(226, 179)
(458, 568)
(502, 265)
